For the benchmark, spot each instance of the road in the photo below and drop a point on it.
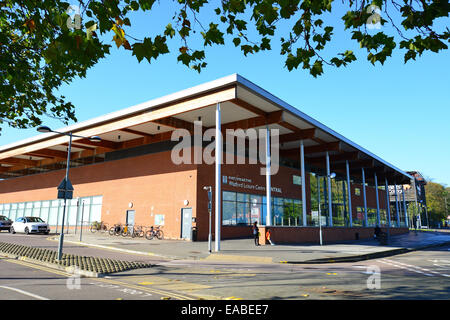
(416, 275)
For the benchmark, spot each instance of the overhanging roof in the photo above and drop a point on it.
(243, 103)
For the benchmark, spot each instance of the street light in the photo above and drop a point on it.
(45, 129)
(209, 190)
(331, 176)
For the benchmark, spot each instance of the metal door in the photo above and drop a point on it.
(186, 223)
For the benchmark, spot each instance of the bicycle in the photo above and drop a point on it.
(116, 230)
(127, 231)
(98, 226)
(138, 231)
(154, 232)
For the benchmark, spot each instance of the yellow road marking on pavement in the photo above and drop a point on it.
(166, 283)
(145, 283)
(232, 298)
(331, 273)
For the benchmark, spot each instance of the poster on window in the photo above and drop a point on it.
(255, 211)
(159, 219)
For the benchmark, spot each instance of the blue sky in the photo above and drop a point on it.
(399, 112)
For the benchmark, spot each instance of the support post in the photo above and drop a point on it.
(388, 201)
(218, 179)
(268, 181)
(366, 222)
(404, 208)
(302, 165)
(330, 200)
(378, 200)
(349, 188)
(61, 236)
(397, 208)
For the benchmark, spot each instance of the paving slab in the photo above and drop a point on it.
(244, 250)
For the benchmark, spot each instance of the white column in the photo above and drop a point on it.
(302, 165)
(378, 200)
(388, 201)
(218, 188)
(364, 197)
(268, 181)
(404, 208)
(397, 208)
(349, 188)
(330, 200)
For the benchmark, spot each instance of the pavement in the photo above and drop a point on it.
(244, 250)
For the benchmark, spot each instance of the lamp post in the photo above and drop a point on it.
(331, 176)
(209, 190)
(45, 129)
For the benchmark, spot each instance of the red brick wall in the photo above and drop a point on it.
(311, 234)
(157, 186)
(152, 183)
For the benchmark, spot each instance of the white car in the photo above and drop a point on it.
(30, 225)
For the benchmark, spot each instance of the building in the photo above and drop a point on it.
(138, 173)
(415, 198)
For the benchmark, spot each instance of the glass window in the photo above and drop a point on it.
(383, 218)
(36, 209)
(96, 213)
(53, 215)
(371, 217)
(243, 197)
(240, 208)
(229, 196)
(72, 213)
(229, 212)
(97, 200)
(358, 217)
(242, 213)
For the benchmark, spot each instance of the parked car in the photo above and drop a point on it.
(30, 225)
(5, 223)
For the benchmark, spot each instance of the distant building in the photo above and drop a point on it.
(414, 194)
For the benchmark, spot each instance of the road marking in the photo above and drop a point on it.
(232, 298)
(411, 266)
(35, 266)
(392, 263)
(420, 268)
(151, 290)
(25, 293)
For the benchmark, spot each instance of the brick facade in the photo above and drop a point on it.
(156, 186)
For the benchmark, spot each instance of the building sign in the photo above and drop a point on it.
(246, 183)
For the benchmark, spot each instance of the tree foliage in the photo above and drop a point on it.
(43, 44)
(436, 195)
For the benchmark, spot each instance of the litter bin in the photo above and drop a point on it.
(357, 236)
(194, 233)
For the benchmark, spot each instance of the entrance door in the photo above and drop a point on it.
(130, 217)
(186, 223)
